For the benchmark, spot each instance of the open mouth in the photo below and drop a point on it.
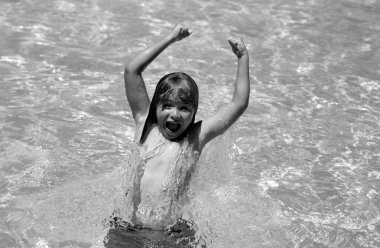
(173, 127)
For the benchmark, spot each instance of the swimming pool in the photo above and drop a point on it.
(299, 169)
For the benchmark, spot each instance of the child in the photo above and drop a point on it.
(169, 140)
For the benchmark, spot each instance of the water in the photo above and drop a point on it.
(299, 169)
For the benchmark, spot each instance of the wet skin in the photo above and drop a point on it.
(173, 117)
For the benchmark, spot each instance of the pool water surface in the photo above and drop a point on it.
(300, 168)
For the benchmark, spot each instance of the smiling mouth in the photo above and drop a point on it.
(173, 127)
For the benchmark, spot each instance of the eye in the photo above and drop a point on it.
(186, 108)
(166, 105)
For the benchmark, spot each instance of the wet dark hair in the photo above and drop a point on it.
(176, 86)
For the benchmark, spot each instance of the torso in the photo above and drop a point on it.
(163, 173)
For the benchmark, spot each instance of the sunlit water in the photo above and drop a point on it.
(301, 168)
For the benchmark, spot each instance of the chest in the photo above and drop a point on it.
(160, 158)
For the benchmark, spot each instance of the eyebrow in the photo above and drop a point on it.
(187, 103)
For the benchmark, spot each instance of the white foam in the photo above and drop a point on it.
(41, 243)
(305, 68)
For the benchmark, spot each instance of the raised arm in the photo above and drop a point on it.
(134, 83)
(230, 112)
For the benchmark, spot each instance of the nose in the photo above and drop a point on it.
(175, 114)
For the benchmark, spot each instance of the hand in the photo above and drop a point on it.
(179, 33)
(238, 46)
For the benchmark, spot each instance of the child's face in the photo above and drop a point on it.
(173, 117)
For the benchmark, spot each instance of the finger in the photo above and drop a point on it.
(178, 27)
(233, 39)
(233, 45)
(183, 31)
(187, 33)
